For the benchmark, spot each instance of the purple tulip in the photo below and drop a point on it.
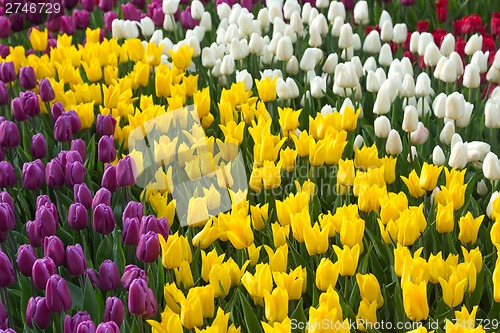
(8, 176)
(76, 124)
(133, 209)
(7, 219)
(54, 174)
(104, 221)
(4, 321)
(81, 19)
(38, 148)
(78, 218)
(35, 16)
(57, 294)
(6, 198)
(124, 171)
(27, 78)
(4, 95)
(131, 273)
(71, 323)
(105, 125)
(158, 16)
(41, 200)
(109, 178)
(130, 12)
(105, 5)
(158, 226)
(82, 194)
(56, 111)
(9, 134)
(348, 4)
(7, 275)
(106, 151)
(4, 27)
(8, 72)
(109, 16)
(43, 269)
(53, 248)
(31, 232)
(76, 263)
(31, 105)
(73, 156)
(69, 4)
(50, 209)
(130, 233)
(91, 275)
(53, 22)
(102, 196)
(187, 21)
(141, 299)
(46, 92)
(63, 130)
(148, 249)
(109, 276)
(67, 25)
(114, 310)
(33, 174)
(87, 326)
(74, 173)
(17, 107)
(88, 5)
(79, 146)
(108, 327)
(141, 4)
(26, 257)
(38, 312)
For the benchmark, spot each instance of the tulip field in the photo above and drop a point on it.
(249, 166)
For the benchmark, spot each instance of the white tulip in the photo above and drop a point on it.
(414, 41)
(275, 11)
(393, 146)
(130, 29)
(262, 18)
(465, 120)
(331, 62)
(493, 75)
(372, 44)
(359, 141)
(448, 45)
(477, 151)
(315, 39)
(197, 9)
(318, 87)
(289, 8)
(481, 188)
(310, 59)
(455, 106)
(382, 127)
(387, 31)
(439, 105)
(319, 24)
(117, 29)
(480, 59)
(292, 66)
(170, 7)
(147, 26)
(296, 22)
(292, 85)
(424, 40)
(431, 55)
(472, 77)
(245, 23)
(382, 103)
(423, 85)
(492, 113)
(326, 110)
(449, 73)
(381, 77)
(458, 156)
(361, 14)
(356, 42)
(456, 138)
(169, 23)
(400, 33)
(491, 167)
(414, 154)
(345, 76)
(322, 4)
(336, 9)
(239, 49)
(157, 37)
(419, 136)
(489, 208)
(410, 119)
(227, 65)
(216, 68)
(385, 56)
(370, 64)
(372, 84)
(337, 25)
(206, 21)
(246, 78)
(406, 66)
(475, 43)
(447, 133)
(438, 157)
(408, 88)
(345, 39)
(392, 87)
(458, 63)
(423, 107)
(284, 50)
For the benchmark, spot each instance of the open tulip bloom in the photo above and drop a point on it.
(249, 166)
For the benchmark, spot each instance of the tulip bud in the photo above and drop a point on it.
(292, 67)
(76, 263)
(359, 141)
(37, 312)
(71, 323)
(382, 127)
(410, 119)
(419, 136)
(472, 78)
(74, 173)
(7, 275)
(130, 233)
(9, 134)
(34, 238)
(400, 33)
(86, 326)
(447, 132)
(124, 172)
(423, 85)
(26, 257)
(79, 146)
(82, 194)
(46, 91)
(481, 188)
(455, 106)
(106, 151)
(102, 196)
(7, 175)
(43, 269)
(108, 327)
(104, 221)
(372, 44)
(7, 219)
(148, 249)
(54, 249)
(372, 84)
(141, 299)
(27, 78)
(33, 174)
(361, 13)
(448, 44)
(491, 114)
(105, 125)
(38, 148)
(56, 111)
(318, 87)
(458, 156)
(393, 145)
(114, 310)
(387, 31)
(77, 216)
(131, 273)
(57, 294)
(109, 276)
(63, 130)
(449, 73)
(475, 43)
(382, 103)
(284, 50)
(491, 167)
(346, 36)
(109, 178)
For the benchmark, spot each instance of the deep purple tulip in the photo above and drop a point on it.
(88, 5)
(74, 173)
(76, 124)
(35, 16)
(69, 4)
(53, 22)
(109, 178)
(348, 4)
(67, 25)
(8, 72)
(91, 275)
(130, 273)
(56, 111)
(17, 107)
(8, 176)
(38, 148)
(33, 174)
(53, 248)
(106, 151)
(82, 194)
(7, 219)
(114, 310)
(4, 95)
(26, 257)
(187, 21)
(78, 218)
(62, 129)
(109, 17)
(148, 249)
(158, 16)
(124, 171)
(57, 294)
(108, 327)
(71, 323)
(87, 326)
(109, 276)
(158, 226)
(41, 200)
(104, 220)
(33, 237)
(130, 233)
(43, 269)
(141, 4)
(81, 19)
(133, 209)
(9, 134)
(4, 321)
(76, 263)
(102, 196)
(31, 105)
(27, 78)
(73, 156)
(130, 12)
(105, 5)
(46, 92)
(139, 298)
(47, 208)
(54, 174)
(7, 275)
(38, 312)
(6, 198)
(105, 125)
(4, 27)
(79, 146)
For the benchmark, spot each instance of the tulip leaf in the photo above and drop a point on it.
(298, 315)
(76, 295)
(477, 294)
(251, 321)
(26, 293)
(90, 303)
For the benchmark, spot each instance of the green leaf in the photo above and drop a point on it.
(251, 321)
(298, 315)
(90, 303)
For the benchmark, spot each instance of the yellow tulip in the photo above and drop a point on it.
(389, 164)
(142, 72)
(474, 256)
(173, 297)
(496, 282)
(271, 175)
(392, 205)
(197, 211)
(413, 184)
(208, 260)
(368, 199)
(255, 181)
(288, 119)
(467, 271)
(259, 216)
(351, 232)
(240, 232)
(278, 260)
(220, 279)
(453, 290)
(331, 299)
(347, 258)
(192, 312)
(345, 175)
(288, 159)
(429, 176)
(284, 327)
(170, 322)
(366, 157)
(316, 240)
(39, 39)
(175, 250)
(302, 144)
(327, 274)
(317, 151)
(206, 295)
(256, 284)
(469, 227)
(183, 275)
(369, 288)
(350, 118)
(445, 221)
(254, 254)
(266, 88)
(437, 268)
(400, 254)
(233, 130)
(276, 304)
(182, 57)
(280, 234)
(298, 222)
(465, 318)
(321, 315)
(367, 314)
(153, 54)
(415, 301)
(292, 282)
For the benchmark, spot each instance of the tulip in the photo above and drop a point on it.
(410, 119)
(148, 249)
(472, 77)
(109, 276)
(429, 176)
(79, 146)
(108, 327)
(141, 299)
(56, 111)
(27, 78)
(133, 209)
(415, 301)
(58, 296)
(9, 134)
(76, 263)
(54, 249)
(114, 310)
(37, 312)
(26, 257)
(131, 273)
(458, 156)
(7, 219)
(33, 174)
(74, 173)
(88, 5)
(38, 148)
(109, 178)
(327, 274)
(102, 196)
(104, 221)
(130, 233)
(125, 172)
(394, 145)
(158, 226)
(46, 220)
(63, 129)
(82, 194)
(7, 275)
(347, 259)
(77, 216)
(361, 13)
(382, 103)
(34, 238)
(7, 175)
(43, 269)
(8, 72)
(284, 49)
(106, 151)
(491, 114)
(17, 107)
(86, 326)
(71, 323)
(4, 95)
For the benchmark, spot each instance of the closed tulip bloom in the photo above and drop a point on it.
(9, 134)
(8, 72)
(82, 194)
(469, 227)
(148, 249)
(109, 276)
(125, 172)
(158, 226)
(63, 130)
(382, 103)
(130, 232)
(56, 111)
(284, 49)
(53, 248)
(71, 323)
(458, 156)
(429, 176)
(455, 106)
(7, 219)
(348, 259)
(419, 136)
(102, 196)
(76, 263)
(415, 301)
(410, 119)
(361, 13)
(31, 105)
(138, 297)
(276, 305)
(131, 273)
(109, 178)
(33, 175)
(492, 114)
(27, 78)
(114, 310)
(32, 233)
(38, 148)
(79, 146)
(106, 151)
(57, 294)
(26, 257)
(327, 274)
(7, 275)
(74, 173)
(444, 218)
(105, 125)
(43, 269)
(438, 157)
(393, 145)
(133, 209)
(17, 107)
(108, 327)
(86, 326)
(37, 312)
(46, 92)
(77, 216)
(104, 220)
(453, 290)
(491, 167)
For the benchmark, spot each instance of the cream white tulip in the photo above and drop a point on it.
(382, 127)
(431, 55)
(361, 15)
(410, 119)
(475, 43)
(387, 31)
(170, 7)
(385, 56)
(227, 65)
(372, 84)
(448, 45)
(472, 77)
(336, 9)
(477, 151)
(400, 33)
(447, 133)
(491, 167)
(284, 50)
(458, 156)
(318, 87)
(492, 113)
(345, 39)
(393, 145)
(331, 62)
(438, 157)
(382, 103)
(372, 44)
(423, 85)
(455, 106)
(419, 136)
(465, 120)
(414, 41)
(197, 9)
(408, 88)
(359, 141)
